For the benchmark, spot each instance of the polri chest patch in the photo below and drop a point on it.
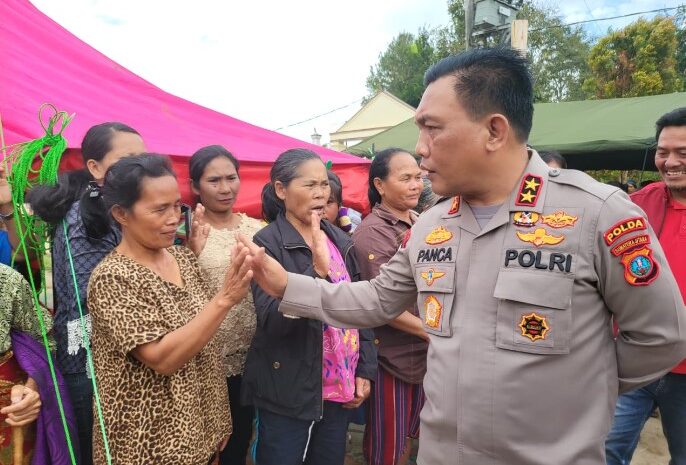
(534, 327)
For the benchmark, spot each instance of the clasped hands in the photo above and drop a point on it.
(249, 261)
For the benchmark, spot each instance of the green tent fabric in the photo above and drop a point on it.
(591, 134)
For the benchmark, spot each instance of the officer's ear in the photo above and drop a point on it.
(499, 131)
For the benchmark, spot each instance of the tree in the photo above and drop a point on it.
(558, 54)
(680, 21)
(640, 59)
(401, 67)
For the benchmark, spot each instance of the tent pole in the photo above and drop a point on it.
(640, 176)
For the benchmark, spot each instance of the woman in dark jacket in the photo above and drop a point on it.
(301, 375)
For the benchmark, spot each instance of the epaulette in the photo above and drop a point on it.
(582, 181)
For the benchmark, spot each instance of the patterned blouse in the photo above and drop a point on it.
(341, 346)
(86, 254)
(17, 310)
(152, 418)
(238, 329)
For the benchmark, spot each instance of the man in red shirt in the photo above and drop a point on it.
(665, 206)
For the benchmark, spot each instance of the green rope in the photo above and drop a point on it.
(31, 229)
(44, 334)
(87, 345)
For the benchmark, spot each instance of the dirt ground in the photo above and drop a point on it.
(651, 450)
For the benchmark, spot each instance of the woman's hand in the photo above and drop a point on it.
(200, 230)
(25, 405)
(363, 388)
(267, 272)
(237, 280)
(320, 249)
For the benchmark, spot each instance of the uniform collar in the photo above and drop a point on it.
(531, 188)
(529, 195)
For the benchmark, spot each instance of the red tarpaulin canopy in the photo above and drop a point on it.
(42, 62)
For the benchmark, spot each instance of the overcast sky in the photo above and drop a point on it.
(272, 63)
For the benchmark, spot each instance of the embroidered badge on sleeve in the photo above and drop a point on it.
(623, 228)
(640, 269)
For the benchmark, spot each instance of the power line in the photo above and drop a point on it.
(658, 10)
(319, 116)
(590, 12)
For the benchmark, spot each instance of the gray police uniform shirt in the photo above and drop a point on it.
(523, 368)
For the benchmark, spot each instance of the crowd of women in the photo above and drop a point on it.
(189, 363)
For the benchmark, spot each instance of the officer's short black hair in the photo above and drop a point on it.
(673, 118)
(491, 80)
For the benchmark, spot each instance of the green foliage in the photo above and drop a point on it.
(401, 67)
(680, 22)
(558, 54)
(640, 59)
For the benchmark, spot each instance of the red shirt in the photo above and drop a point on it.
(673, 241)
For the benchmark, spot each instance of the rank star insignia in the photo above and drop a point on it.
(534, 326)
(527, 197)
(559, 219)
(431, 275)
(438, 235)
(432, 312)
(532, 184)
(525, 219)
(639, 267)
(529, 190)
(540, 237)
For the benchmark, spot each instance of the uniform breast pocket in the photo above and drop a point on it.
(534, 312)
(436, 293)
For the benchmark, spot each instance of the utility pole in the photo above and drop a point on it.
(519, 35)
(468, 23)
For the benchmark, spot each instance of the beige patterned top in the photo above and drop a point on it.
(238, 329)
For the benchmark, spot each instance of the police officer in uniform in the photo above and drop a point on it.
(517, 275)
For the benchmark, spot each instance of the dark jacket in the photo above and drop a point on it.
(283, 370)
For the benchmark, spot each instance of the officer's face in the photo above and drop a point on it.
(403, 183)
(670, 159)
(451, 143)
(308, 192)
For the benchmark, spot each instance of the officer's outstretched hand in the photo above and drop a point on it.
(267, 272)
(320, 250)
